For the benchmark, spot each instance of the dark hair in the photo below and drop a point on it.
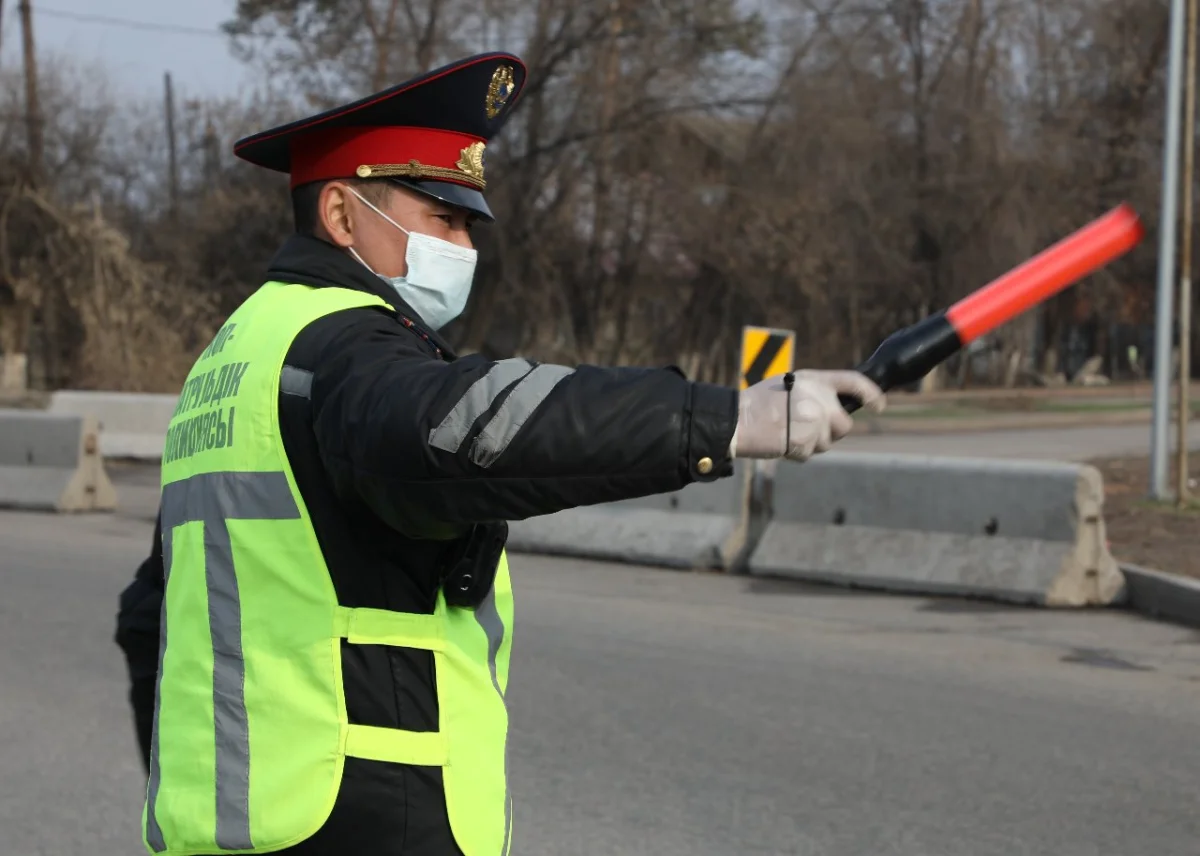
(306, 197)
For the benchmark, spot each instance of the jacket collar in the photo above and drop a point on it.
(306, 260)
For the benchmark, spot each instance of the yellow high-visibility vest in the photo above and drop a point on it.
(250, 725)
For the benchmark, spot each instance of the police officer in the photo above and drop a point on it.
(319, 641)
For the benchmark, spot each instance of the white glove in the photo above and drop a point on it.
(818, 419)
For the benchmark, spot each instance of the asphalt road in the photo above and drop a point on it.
(672, 714)
(1066, 444)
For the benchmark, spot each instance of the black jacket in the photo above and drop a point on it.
(399, 448)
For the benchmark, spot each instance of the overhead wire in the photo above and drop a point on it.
(128, 23)
(775, 23)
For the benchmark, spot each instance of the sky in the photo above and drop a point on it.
(136, 41)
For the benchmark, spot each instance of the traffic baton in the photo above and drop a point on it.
(909, 354)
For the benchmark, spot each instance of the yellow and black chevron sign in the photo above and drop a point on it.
(766, 352)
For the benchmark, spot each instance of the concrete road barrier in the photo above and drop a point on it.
(1022, 531)
(132, 425)
(52, 462)
(703, 526)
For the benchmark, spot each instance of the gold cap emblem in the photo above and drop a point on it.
(500, 90)
(471, 161)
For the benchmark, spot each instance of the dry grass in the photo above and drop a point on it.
(116, 321)
(1142, 532)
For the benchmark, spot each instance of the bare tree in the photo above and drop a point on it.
(674, 169)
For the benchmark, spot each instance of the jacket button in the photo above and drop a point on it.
(704, 466)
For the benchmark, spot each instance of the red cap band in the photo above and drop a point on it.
(387, 152)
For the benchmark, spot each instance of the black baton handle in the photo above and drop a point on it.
(908, 355)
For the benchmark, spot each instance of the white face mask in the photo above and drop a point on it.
(439, 276)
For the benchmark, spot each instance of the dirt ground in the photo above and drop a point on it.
(1142, 532)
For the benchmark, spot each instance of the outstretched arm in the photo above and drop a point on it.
(428, 444)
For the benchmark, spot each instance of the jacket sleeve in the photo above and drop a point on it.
(428, 444)
(138, 622)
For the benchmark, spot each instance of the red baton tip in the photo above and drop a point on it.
(1074, 257)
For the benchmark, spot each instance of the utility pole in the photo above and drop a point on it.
(1163, 327)
(1185, 281)
(212, 156)
(173, 163)
(33, 112)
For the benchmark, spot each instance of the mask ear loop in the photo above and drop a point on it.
(359, 259)
(367, 202)
(370, 205)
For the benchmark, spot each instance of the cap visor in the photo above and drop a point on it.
(452, 194)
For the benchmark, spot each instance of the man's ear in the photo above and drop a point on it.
(334, 213)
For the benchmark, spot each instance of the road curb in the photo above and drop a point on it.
(1163, 596)
(920, 425)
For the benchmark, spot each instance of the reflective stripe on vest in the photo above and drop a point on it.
(250, 729)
